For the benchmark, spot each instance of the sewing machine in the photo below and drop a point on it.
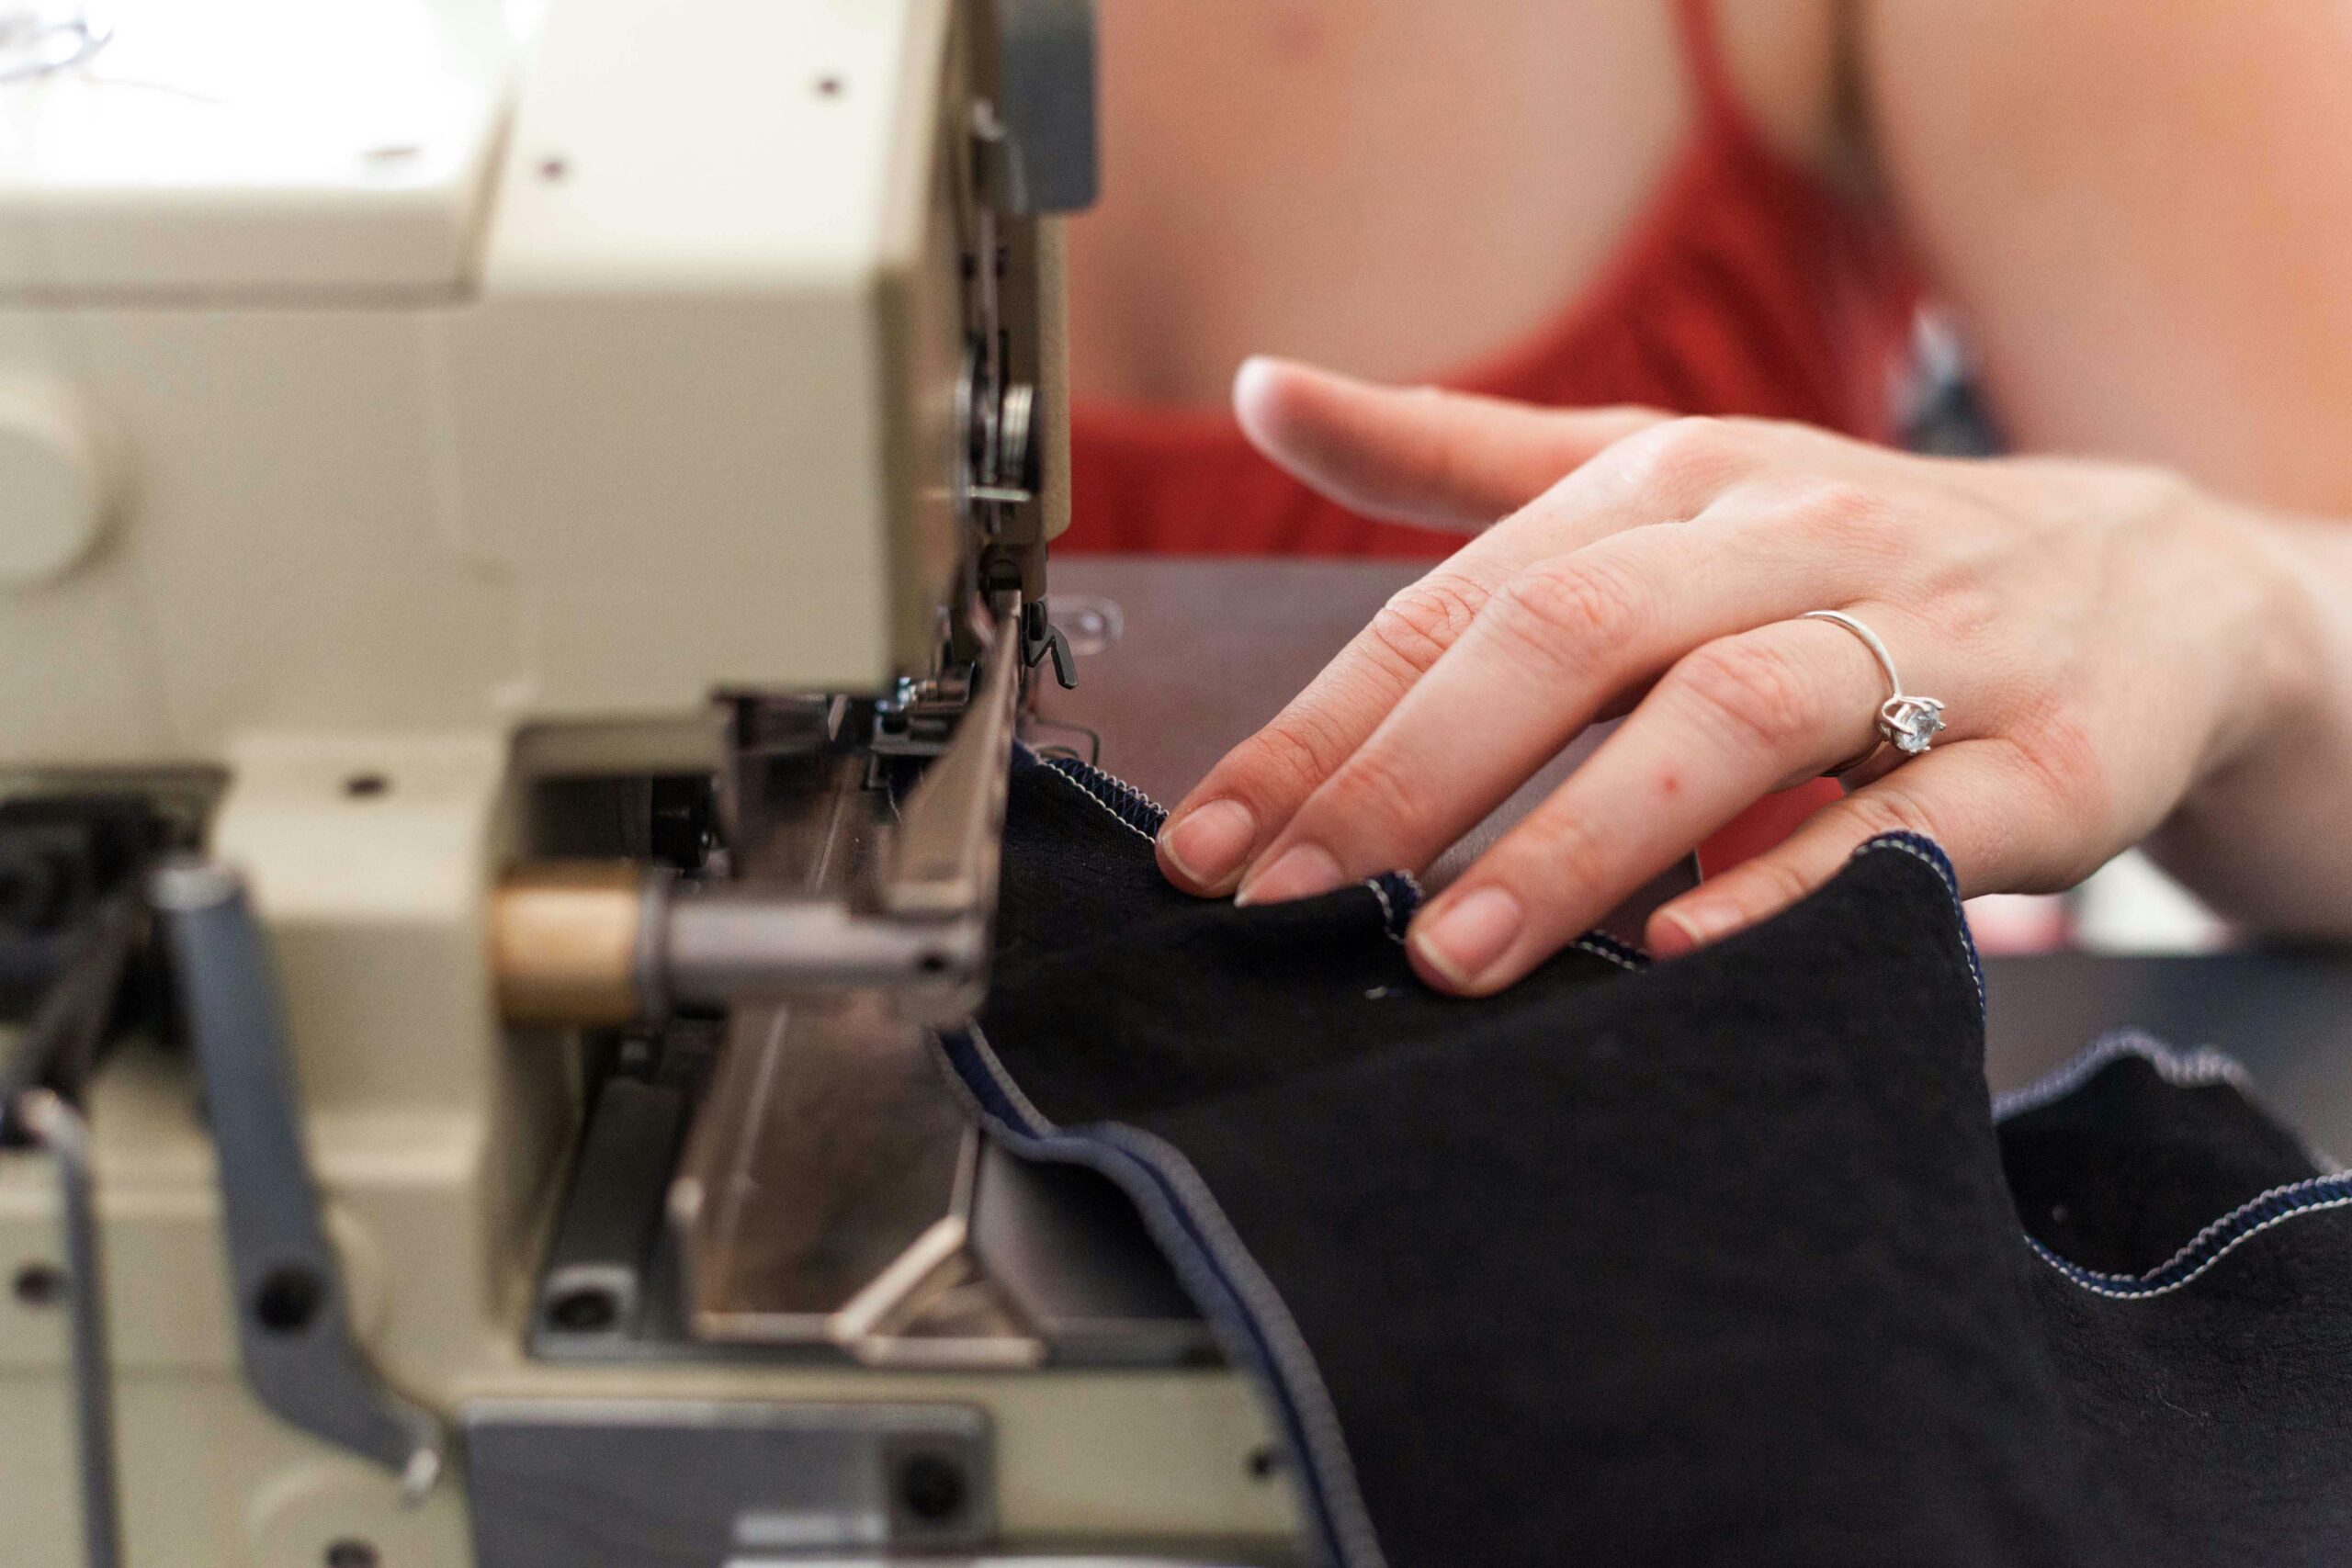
(522, 550)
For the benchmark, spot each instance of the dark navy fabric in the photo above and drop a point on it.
(1725, 1259)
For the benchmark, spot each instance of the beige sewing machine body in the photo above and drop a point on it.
(536, 526)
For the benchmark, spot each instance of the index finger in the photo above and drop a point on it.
(1215, 830)
(1419, 454)
(1211, 836)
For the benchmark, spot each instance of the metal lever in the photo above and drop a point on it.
(951, 826)
(58, 1128)
(1041, 640)
(293, 1324)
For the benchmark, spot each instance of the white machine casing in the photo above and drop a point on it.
(401, 401)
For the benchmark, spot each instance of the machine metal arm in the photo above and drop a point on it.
(293, 1325)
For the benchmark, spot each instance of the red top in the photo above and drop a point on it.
(1746, 287)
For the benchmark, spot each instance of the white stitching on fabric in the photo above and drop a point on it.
(1586, 944)
(2221, 1226)
(2195, 1069)
(1915, 852)
(1070, 768)
(2121, 1287)
(1388, 924)
(2125, 1287)
(1138, 796)
(1387, 908)
(1359, 1547)
(1103, 805)
(2201, 1068)
(1387, 911)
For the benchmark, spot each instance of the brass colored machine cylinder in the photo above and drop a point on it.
(566, 942)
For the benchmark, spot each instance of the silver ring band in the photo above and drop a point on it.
(1907, 721)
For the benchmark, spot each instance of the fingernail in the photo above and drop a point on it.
(1687, 930)
(1251, 404)
(1207, 843)
(1467, 936)
(1301, 871)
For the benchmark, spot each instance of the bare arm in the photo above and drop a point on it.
(2146, 211)
(2143, 632)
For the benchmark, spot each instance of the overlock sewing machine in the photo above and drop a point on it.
(521, 548)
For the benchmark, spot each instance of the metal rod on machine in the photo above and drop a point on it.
(60, 1129)
(294, 1333)
(606, 943)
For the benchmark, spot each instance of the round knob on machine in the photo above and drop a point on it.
(55, 492)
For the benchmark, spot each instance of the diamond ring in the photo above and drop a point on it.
(1907, 721)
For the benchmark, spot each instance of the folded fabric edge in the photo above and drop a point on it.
(2250, 1219)
(2200, 1069)
(1920, 847)
(1181, 1215)
(1244, 1310)
(2203, 1068)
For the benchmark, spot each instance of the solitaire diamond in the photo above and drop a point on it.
(1911, 723)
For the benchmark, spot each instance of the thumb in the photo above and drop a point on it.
(1417, 455)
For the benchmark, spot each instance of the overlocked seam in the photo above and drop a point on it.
(2316, 1195)
(1921, 848)
(1323, 1442)
(1399, 893)
(2202, 1068)
(1191, 1227)
(1400, 899)
(1217, 1269)
(1601, 944)
(1127, 805)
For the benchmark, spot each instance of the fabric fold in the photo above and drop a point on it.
(1718, 1260)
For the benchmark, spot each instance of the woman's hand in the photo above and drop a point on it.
(2103, 638)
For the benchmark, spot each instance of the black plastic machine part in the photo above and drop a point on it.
(60, 858)
(72, 927)
(73, 921)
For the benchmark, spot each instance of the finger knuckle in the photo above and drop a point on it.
(1377, 793)
(1449, 469)
(1889, 807)
(1972, 616)
(1555, 851)
(1287, 758)
(1846, 517)
(1566, 606)
(2137, 490)
(2060, 768)
(1421, 621)
(1777, 884)
(1753, 692)
(1680, 457)
(1762, 887)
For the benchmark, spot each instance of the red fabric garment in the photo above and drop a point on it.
(1746, 287)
